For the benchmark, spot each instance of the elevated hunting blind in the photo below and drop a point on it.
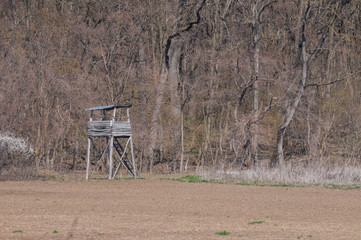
(117, 133)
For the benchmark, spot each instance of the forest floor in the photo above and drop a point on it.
(163, 209)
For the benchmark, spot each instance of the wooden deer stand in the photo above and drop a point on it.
(113, 131)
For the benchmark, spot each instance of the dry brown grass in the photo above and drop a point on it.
(312, 174)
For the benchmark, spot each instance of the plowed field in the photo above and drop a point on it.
(163, 209)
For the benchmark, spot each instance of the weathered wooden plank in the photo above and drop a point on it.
(99, 129)
(106, 129)
(121, 129)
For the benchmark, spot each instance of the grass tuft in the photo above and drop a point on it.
(17, 231)
(223, 233)
(55, 231)
(255, 222)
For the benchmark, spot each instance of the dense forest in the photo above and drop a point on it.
(219, 83)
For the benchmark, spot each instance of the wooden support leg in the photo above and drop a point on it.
(88, 160)
(133, 161)
(111, 158)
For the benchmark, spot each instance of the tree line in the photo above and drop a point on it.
(219, 83)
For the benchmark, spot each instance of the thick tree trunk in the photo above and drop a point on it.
(257, 10)
(292, 108)
(175, 97)
(170, 70)
(254, 124)
(142, 101)
(154, 129)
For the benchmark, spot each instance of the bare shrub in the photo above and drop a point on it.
(16, 158)
(312, 174)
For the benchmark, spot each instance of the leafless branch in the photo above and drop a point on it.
(324, 84)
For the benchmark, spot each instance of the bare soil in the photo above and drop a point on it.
(163, 209)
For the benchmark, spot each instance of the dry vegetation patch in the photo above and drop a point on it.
(327, 175)
(16, 158)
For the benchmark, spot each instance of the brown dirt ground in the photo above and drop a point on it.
(163, 209)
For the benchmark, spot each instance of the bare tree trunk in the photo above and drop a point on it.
(183, 102)
(290, 112)
(76, 150)
(142, 101)
(256, 36)
(154, 129)
(174, 59)
(176, 98)
(182, 140)
(169, 71)
(254, 124)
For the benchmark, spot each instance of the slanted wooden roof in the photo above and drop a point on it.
(108, 107)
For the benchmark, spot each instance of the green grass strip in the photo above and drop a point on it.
(255, 222)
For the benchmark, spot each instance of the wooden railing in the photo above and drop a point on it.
(109, 128)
